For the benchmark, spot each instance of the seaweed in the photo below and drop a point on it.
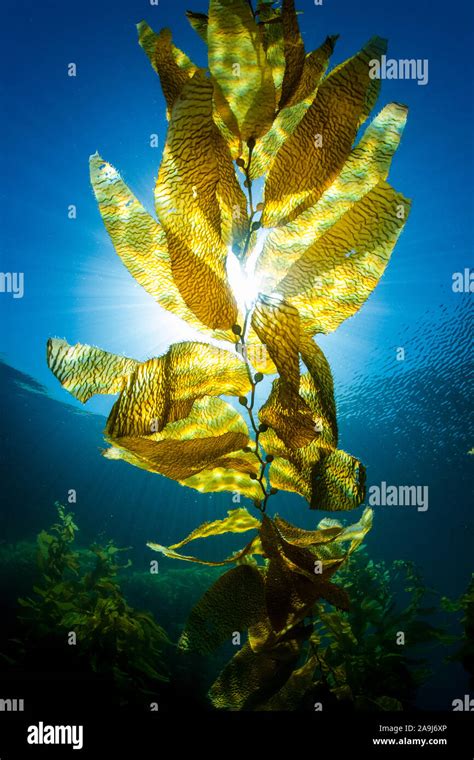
(465, 604)
(370, 655)
(359, 656)
(78, 599)
(259, 281)
(329, 654)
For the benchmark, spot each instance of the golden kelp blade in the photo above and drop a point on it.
(299, 559)
(226, 122)
(233, 603)
(238, 63)
(289, 596)
(322, 474)
(317, 389)
(191, 184)
(331, 480)
(249, 678)
(287, 414)
(172, 66)
(289, 117)
(335, 276)
(292, 693)
(277, 325)
(225, 476)
(284, 474)
(306, 164)
(199, 23)
(293, 583)
(175, 69)
(252, 548)
(337, 479)
(211, 430)
(86, 370)
(300, 537)
(171, 456)
(294, 52)
(163, 390)
(305, 410)
(354, 533)
(272, 39)
(140, 242)
(368, 164)
(237, 521)
(314, 68)
(223, 116)
(155, 392)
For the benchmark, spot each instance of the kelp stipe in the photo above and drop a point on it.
(264, 278)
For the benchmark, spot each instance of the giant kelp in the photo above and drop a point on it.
(465, 604)
(311, 251)
(78, 592)
(348, 659)
(358, 656)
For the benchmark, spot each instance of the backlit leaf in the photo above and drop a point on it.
(367, 165)
(86, 370)
(294, 580)
(197, 176)
(294, 51)
(290, 116)
(253, 547)
(318, 471)
(228, 474)
(337, 479)
(237, 62)
(140, 242)
(335, 276)
(300, 537)
(163, 389)
(211, 430)
(172, 66)
(287, 414)
(303, 169)
(237, 521)
(278, 326)
(272, 37)
(199, 22)
(233, 603)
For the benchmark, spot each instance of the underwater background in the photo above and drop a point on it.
(410, 421)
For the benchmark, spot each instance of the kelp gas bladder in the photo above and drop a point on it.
(259, 281)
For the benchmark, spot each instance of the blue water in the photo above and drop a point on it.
(410, 422)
